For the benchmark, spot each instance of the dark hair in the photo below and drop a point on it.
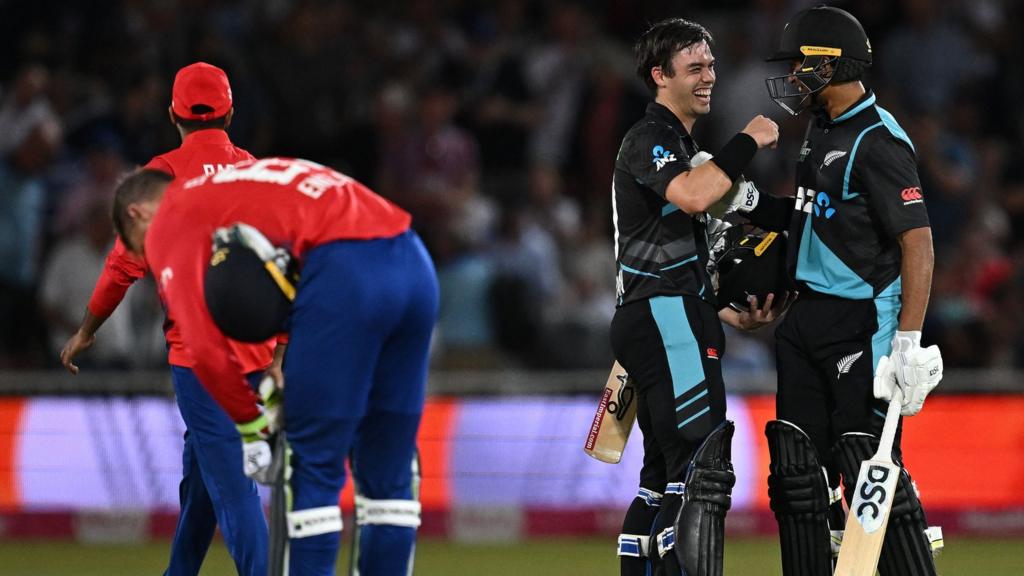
(661, 42)
(192, 125)
(137, 186)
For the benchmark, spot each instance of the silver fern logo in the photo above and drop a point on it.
(846, 362)
(832, 157)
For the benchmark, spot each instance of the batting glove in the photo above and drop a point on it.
(258, 458)
(742, 197)
(914, 369)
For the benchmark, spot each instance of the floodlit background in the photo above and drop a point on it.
(496, 123)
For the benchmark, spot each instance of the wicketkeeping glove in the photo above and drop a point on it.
(742, 197)
(914, 369)
(258, 459)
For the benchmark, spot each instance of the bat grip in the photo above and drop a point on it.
(892, 419)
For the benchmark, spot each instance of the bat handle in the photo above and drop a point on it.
(892, 419)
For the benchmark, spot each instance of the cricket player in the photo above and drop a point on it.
(860, 251)
(356, 365)
(666, 331)
(213, 489)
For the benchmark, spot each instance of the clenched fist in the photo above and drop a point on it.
(763, 130)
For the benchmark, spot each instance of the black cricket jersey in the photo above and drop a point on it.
(659, 249)
(857, 191)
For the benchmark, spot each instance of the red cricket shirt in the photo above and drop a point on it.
(202, 152)
(296, 204)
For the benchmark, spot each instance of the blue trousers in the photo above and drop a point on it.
(355, 380)
(214, 490)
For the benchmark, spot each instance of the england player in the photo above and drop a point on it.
(861, 254)
(213, 489)
(666, 331)
(360, 329)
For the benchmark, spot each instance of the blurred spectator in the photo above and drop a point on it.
(31, 139)
(496, 124)
(927, 60)
(67, 282)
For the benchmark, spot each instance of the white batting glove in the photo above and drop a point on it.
(257, 461)
(914, 369)
(742, 197)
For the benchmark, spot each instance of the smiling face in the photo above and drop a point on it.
(686, 88)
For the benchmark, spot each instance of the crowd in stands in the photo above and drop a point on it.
(496, 123)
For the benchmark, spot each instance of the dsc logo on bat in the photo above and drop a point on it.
(873, 491)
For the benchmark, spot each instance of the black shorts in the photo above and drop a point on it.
(671, 347)
(827, 350)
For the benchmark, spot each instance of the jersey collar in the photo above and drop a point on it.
(865, 101)
(660, 111)
(207, 136)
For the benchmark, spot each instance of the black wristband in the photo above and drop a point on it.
(735, 155)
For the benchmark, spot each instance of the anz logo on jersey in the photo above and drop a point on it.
(818, 203)
(661, 157)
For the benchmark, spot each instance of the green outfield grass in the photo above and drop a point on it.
(751, 556)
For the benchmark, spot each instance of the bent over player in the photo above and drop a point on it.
(861, 254)
(213, 489)
(360, 329)
(666, 331)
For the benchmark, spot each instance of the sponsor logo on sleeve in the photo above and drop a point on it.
(662, 157)
(911, 195)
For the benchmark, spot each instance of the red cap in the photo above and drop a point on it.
(201, 84)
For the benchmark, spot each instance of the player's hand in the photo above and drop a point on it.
(78, 342)
(272, 394)
(257, 455)
(258, 461)
(759, 316)
(764, 131)
(914, 369)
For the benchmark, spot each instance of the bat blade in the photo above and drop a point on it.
(868, 518)
(613, 421)
(871, 502)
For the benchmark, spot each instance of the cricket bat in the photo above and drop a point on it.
(277, 553)
(872, 501)
(614, 419)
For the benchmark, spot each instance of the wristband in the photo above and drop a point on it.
(735, 155)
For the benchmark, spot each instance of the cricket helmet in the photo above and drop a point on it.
(749, 262)
(830, 45)
(250, 284)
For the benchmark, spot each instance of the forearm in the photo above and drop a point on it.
(730, 317)
(91, 323)
(696, 190)
(916, 272)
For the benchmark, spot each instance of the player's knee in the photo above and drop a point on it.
(800, 497)
(699, 527)
(797, 482)
(848, 453)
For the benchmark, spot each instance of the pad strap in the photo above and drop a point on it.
(388, 512)
(934, 536)
(314, 521)
(666, 541)
(635, 545)
(650, 497)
